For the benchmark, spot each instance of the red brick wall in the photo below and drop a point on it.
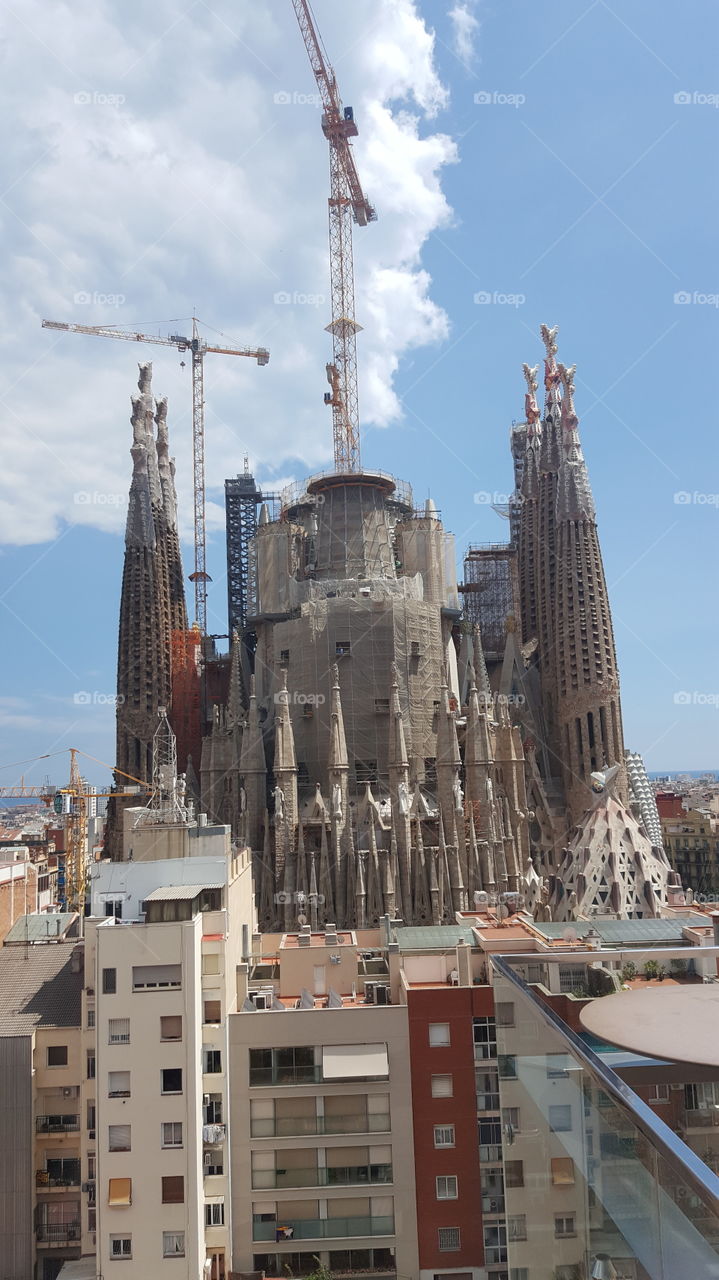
(17, 898)
(456, 1006)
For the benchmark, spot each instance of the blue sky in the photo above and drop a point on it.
(583, 187)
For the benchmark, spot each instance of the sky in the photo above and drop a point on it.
(528, 163)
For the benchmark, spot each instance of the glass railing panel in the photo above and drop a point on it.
(298, 1126)
(603, 1176)
(322, 1228)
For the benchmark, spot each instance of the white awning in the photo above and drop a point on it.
(355, 1062)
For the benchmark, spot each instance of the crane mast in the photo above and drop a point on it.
(198, 348)
(347, 204)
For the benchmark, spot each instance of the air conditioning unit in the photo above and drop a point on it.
(69, 1092)
(382, 993)
(261, 999)
(369, 992)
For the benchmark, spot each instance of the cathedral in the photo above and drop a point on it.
(380, 746)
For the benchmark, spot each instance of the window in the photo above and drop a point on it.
(342, 648)
(284, 655)
(172, 1133)
(173, 1244)
(560, 1118)
(119, 1191)
(519, 1273)
(91, 1064)
(210, 963)
(91, 1118)
(659, 1093)
(156, 977)
(513, 1173)
(510, 1119)
(490, 1139)
(109, 982)
(212, 1109)
(517, 1227)
(438, 1034)
(171, 1079)
(212, 1011)
(442, 1087)
(120, 1247)
(215, 1214)
(211, 1061)
(57, 1055)
(444, 1135)
(119, 1137)
(504, 1013)
(446, 1187)
(485, 1038)
(486, 1084)
(449, 1239)
(118, 1084)
(507, 1066)
(495, 1244)
(562, 1171)
(119, 1031)
(557, 1066)
(173, 1190)
(702, 1096)
(90, 1019)
(564, 1225)
(215, 1165)
(171, 1027)
(572, 977)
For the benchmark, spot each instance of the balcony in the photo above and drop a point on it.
(57, 1124)
(213, 1134)
(298, 1126)
(262, 1076)
(69, 1177)
(702, 1118)
(337, 1176)
(322, 1228)
(493, 1204)
(50, 1233)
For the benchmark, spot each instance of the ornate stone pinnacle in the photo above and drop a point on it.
(530, 377)
(549, 338)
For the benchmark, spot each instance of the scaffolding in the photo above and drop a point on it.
(491, 592)
(242, 499)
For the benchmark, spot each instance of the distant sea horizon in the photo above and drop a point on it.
(654, 774)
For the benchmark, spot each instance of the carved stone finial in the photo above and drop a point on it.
(530, 377)
(549, 338)
(531, 408)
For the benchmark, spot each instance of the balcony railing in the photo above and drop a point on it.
(69, 1178)
(57, 1124)
(57, 1232)
(322, 1228)
(337, 1176)
(493, 1204)
(298, 1126)
(285, 1075)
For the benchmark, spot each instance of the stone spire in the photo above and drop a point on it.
(284, 769)
(254, 772)
(574, 495)
(528, 520)
(398, 761)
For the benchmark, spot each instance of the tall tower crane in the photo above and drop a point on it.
(198, 348)
(347, 203)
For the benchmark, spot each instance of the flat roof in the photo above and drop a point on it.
(435, 937)
(41, 928)
(291, 940)
(676, 1024)
(621, 932)
(175, 892)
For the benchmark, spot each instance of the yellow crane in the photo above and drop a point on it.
(198, 348)
(72, 802)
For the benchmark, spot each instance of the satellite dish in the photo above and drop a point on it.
(570, 935)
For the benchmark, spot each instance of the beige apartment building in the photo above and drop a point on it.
(163, 962)
(43, 1140)
(322, 1153)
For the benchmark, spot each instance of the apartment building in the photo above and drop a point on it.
(162, 958)
(322, 1153)
(43, 1195)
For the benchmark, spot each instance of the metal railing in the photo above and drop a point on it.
(57, 1232)
(57, 1124)
(322, 1228)
(335, 1176)
(298, 1126)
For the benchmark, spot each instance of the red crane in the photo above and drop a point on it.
(347, 203)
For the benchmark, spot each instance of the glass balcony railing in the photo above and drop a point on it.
(337, 1176)
(322, 1228)
(619, 1193)
(298, 1126)
(284, 1075)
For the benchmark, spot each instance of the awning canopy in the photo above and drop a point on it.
(355, 1062)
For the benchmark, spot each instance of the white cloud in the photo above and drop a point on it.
(199, 190)
(465, 29)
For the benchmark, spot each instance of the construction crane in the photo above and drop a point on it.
(347, 203)
(72, 803)
(198, 348)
